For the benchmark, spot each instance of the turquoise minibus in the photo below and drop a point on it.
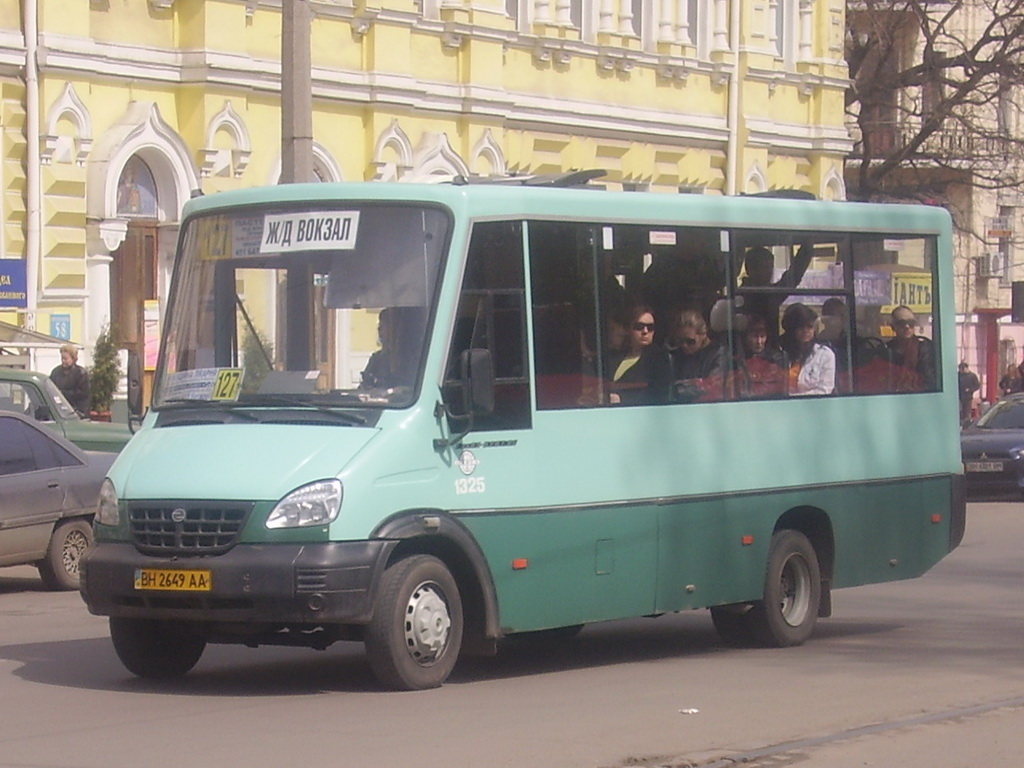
(430, 417)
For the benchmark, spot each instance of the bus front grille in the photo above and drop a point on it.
(188, 528)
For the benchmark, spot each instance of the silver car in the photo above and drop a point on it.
(49, 489)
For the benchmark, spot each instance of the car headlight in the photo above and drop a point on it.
(106, 509)
(314, 504)
(1016, 453)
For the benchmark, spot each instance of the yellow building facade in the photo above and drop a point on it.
(114, 112)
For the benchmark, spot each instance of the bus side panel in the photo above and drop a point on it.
(572, 566)
(702, 554)
(891, 531)
(714, 552)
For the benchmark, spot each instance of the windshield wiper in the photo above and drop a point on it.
(180, 409)
(346, 416)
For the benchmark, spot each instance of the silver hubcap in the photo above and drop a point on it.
(74, 547)
(427, 623)
(796, 590)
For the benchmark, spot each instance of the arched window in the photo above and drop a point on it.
(136, 190)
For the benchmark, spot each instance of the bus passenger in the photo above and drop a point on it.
(759, 265)
(639, 369)
(912, 356)
(698, 364)
(812, 366)
(762, 367)
(834, 318)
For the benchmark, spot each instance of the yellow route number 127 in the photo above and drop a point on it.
(227, 384)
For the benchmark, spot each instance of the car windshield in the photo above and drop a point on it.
(317, 307)
(1006, 414)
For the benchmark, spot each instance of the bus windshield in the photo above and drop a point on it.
(318, 306)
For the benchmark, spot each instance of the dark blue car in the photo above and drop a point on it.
(992, 448)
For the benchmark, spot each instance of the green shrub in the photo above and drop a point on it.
(105, 373)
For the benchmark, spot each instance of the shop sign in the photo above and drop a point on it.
(913, 290)
(13, 284)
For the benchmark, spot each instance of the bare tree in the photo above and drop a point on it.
(935, 97)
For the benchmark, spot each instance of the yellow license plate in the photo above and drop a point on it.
(173, 580)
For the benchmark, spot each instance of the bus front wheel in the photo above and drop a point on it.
(414, 637)
(157, 650)
(792, 591)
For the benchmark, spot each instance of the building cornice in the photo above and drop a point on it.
(95, 60)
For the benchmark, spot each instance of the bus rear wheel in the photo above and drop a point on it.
(414, 637)
(792, 591)
(157, 650)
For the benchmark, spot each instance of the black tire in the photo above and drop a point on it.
(734, 624)
(792, 592)
(414, 637)
(157, 650)
(59, 568)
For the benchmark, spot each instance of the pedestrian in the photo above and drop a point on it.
(969, 384)
(72, 380)
(1011, 381)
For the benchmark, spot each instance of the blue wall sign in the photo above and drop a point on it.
(13, 284)
(60, 327)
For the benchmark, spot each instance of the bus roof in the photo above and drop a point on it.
(541, 202)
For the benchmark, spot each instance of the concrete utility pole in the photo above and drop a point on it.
(296, 93)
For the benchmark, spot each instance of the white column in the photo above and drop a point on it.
(102, 239)
(606, 16)
(773, 25)
(563, 12)
(626, 18)
(665, 22)
(684, 35)
(806, 30)
(542, 11)
(721, 29)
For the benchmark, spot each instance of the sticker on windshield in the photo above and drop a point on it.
(228, 384)
(315, 231)
(223, 384)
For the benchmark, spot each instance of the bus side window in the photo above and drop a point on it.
(896, 349)
(492, 315)
(566, 353)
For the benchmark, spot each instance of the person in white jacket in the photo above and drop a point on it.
(812, 366)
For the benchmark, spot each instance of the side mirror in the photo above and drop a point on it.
(42, 413)
(134, 385)
(477, 382)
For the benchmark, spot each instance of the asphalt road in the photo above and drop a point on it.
(928, 672)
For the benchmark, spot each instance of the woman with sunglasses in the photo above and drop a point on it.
(912, 356)
(812, 366)
(698, 363)
(638, 369)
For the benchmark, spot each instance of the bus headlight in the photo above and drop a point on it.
(106, 509)
(314, 504)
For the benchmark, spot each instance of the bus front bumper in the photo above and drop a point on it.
(326, 583)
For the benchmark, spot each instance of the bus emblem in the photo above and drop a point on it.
(178, 515)
(467, 462)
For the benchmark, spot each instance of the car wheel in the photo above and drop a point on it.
(414, 637)
(59, 568)
(157, 650)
